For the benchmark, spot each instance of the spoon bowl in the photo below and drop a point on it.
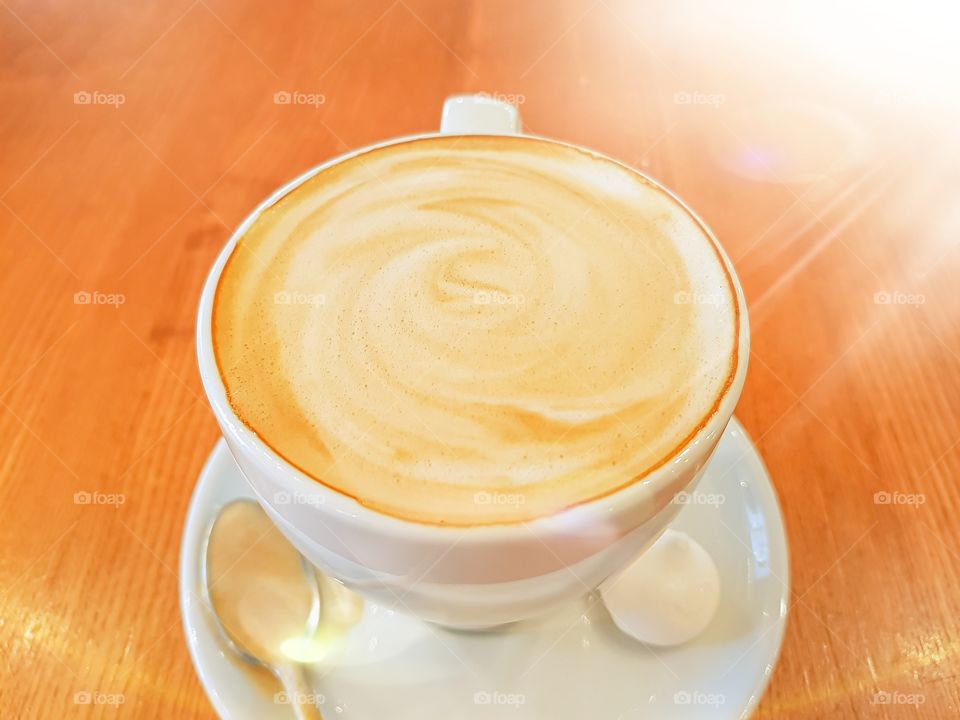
(264, 597)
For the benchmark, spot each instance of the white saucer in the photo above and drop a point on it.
(572, 664)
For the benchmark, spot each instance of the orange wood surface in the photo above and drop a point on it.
(838, 205)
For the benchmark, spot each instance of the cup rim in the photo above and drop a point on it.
(296, 480)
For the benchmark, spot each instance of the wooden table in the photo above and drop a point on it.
(833, 188)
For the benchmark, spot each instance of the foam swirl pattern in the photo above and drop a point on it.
(475, 330)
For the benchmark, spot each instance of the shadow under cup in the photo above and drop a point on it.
(462, 576)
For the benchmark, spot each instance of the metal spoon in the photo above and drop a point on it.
(265, 598)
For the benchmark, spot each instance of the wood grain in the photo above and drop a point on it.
(825, 198)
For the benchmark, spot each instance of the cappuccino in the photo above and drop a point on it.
(476, 330)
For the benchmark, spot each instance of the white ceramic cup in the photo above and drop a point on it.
(460, 577)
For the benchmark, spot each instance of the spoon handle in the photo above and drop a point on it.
(304, 701)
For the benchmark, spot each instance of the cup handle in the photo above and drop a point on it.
(478, 115)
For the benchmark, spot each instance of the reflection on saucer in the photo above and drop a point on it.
(789, 143)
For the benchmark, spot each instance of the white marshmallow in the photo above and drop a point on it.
(668, 595)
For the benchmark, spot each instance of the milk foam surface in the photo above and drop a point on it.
(475, 330)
